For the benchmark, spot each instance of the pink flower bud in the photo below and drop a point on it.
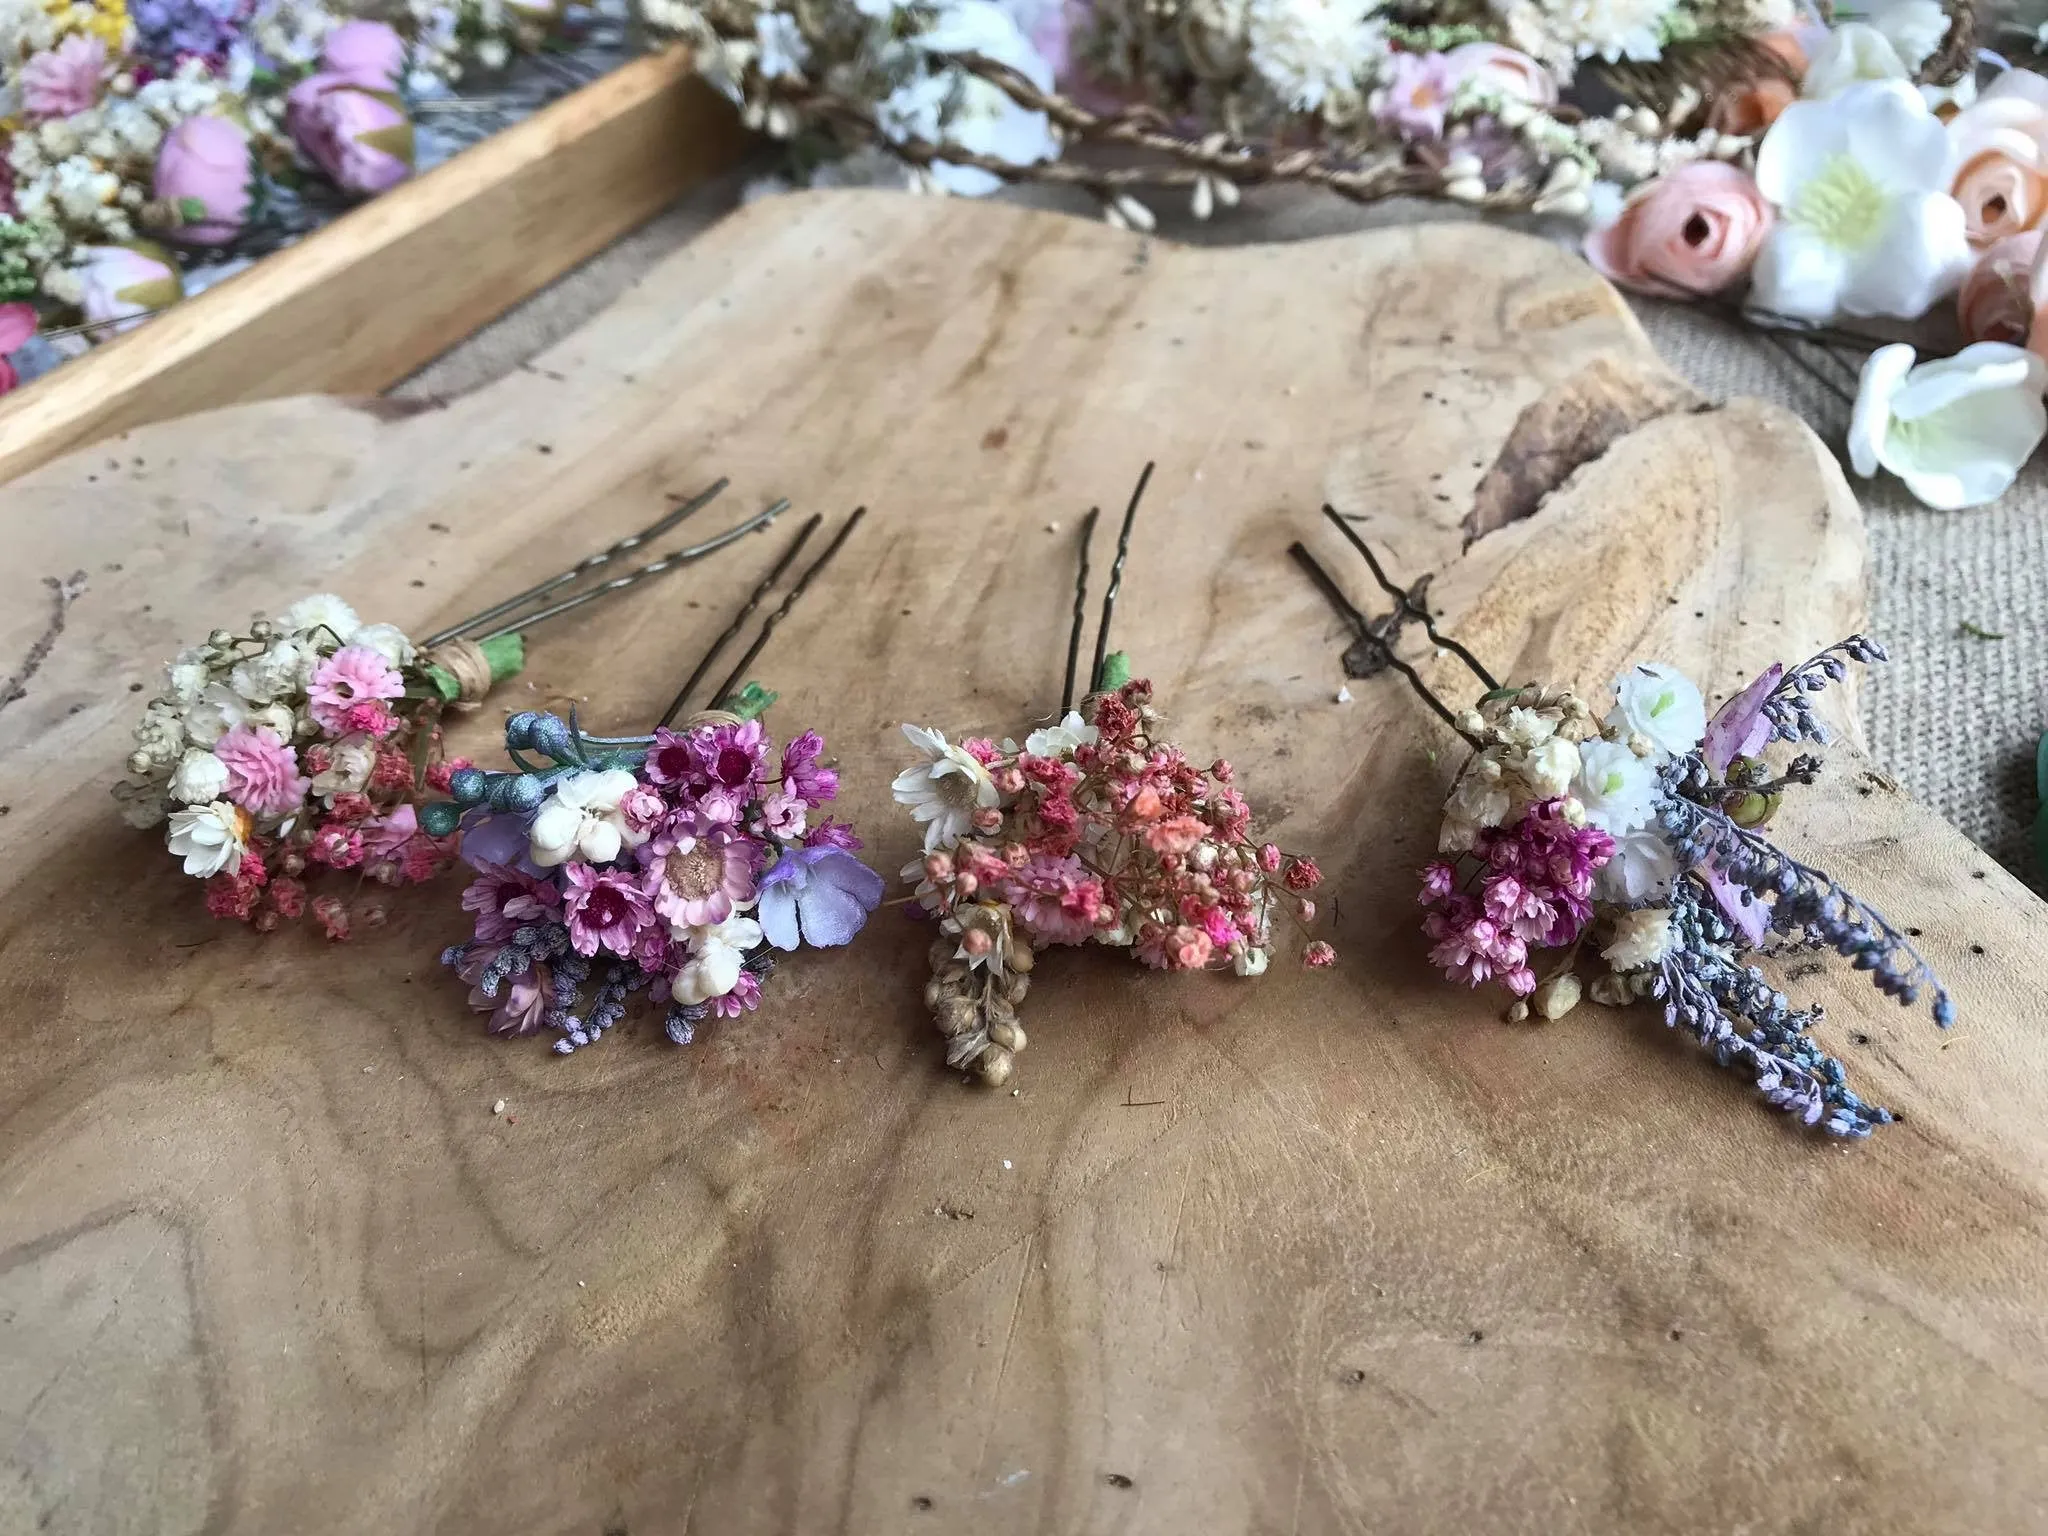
(368, 52)
(358, 134)
(987, 818)
(977, 942)
(126, 282)
(204, 170)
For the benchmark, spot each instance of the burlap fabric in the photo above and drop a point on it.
(1955, 717)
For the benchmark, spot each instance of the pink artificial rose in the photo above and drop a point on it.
(1998, 148)
(204, 169)
(1416, 95)
(358, 134)
(1506, 71)
(125, 282)
(1996, 301)
(66, 79)
(1691, 232)
(368, 52)
(17, 324)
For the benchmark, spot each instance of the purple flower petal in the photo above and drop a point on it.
(1745, 911)
(1739, 727)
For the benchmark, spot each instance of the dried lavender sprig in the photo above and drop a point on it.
(1702, 987)
(1786, 706)
(1807, 902)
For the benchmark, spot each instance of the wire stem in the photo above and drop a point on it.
(739, 619)
(1116, 577)
(726, 689)
(1080, 613)
(1408, 605)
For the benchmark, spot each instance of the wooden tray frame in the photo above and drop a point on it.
(366, 301)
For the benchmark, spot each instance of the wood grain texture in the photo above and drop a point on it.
(1374, 1262)
(365, 301)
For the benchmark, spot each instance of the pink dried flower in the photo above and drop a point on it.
(1319, 954)
(832, 834)
(1270, 858)
(263, 772)
(669, 760)
(1177, 834)
(372, 717)
(782, 815)
(1302, 875)
(744, 997)
(1416, 95)
(1221, 930)
(731, 758)
(353, 675)
(351, 808)
(288, 896)
(1189, 948)
(1056, 899)
(338, 847)
(332, 916)
(387, 836)
(66, 79)
(982, 750)
(642, 809)
(605, 909)
(702, 880)
(801, 775)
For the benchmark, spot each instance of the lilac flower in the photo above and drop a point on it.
(833, 834)
(702, 879)
(801, 775)
(821, 895)
(606, 909)
(1739, 727)
(1416, 95)
(744, 997)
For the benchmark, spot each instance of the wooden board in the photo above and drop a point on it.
(1333, 1251)
(391, 285)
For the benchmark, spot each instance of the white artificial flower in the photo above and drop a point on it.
(219, 710)
(199, 777)
(1955, 430)
(1642, 869)
(944, 790)
(718, 952)
(1657, 701)
(350, 763)
(782, 49)
(270, 674)
(209, 838)
(1057, 740)
(1617, 788)
(321, 611)
(1866, 225)
(1850, 54)
(388, 641)
(1641, 939)
(582, 819)
(1914, 28)
(1252, 962)
(1550, 769)
(1316, 55)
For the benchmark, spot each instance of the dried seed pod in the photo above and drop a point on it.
(995, 1066)
(1006, 1034)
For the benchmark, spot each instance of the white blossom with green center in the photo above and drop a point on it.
(1955, 430)
(1866, 225)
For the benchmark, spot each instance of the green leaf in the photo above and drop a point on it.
(1116, 671)
(191, 210)
(751, 702)
(1978, 631)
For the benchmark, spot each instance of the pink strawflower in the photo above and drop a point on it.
(263, 771)
(801, 775)
(642, 809)
(338, 847)
(745, 996)
(605, 909)
(669, 760)
(353, 675)
(66, 79)
(1319, 954)
(1439, 879)
(832, 834)
(729, 758)
(982, 750)
(425, 857)
(386, 836)
(1221, 930)
(702, 879)
(288, 896)
(782, 815)
(1056, 899)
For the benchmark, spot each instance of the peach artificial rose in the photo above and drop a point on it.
(1996, 301)
(1999, 149)
(1691, 232)
(1748, 107)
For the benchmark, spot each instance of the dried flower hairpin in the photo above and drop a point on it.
(306, 742)
(1092, 830)
(1640, 828)
(676, 862)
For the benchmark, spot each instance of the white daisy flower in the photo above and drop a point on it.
(210, 838)
(944, 790)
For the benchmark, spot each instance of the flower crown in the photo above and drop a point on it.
(1636, 829)
(1092, 831)
(676, 863)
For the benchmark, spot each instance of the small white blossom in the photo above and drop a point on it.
(321, 611)
(1956, 430)
(1617, 788)
(1641, 939)
(1657, 701)
(944, 790)
(1316, 55)
(582, 819)
(1642, 868)
(271, 673)
(388, 641)
(209, 838)
(1550, 768)
(783, 51)
(199, 777)
(1056, 740)
(718, 952)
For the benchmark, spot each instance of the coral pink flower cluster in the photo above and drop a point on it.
(1527, 885)
(1093, 830)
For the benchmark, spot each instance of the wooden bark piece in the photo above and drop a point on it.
(1332, 1251)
